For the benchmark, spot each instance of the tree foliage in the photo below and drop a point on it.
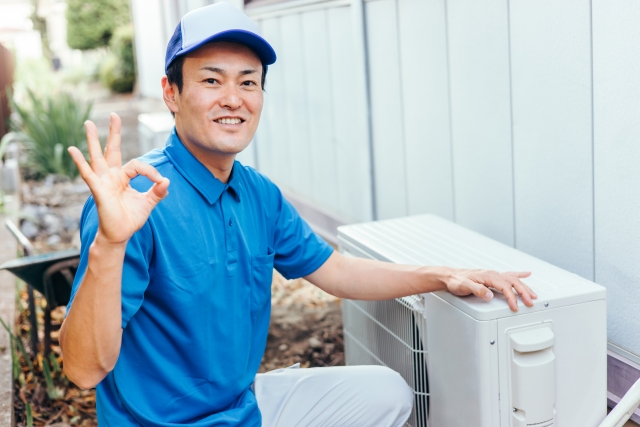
(92, 23)
(118, 71)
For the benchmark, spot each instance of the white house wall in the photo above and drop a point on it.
(151, 40)
(519, 119)
(616, 101)
(478, 32)
(552, 131)
(425, 106)
(312, 139)
(385, 85)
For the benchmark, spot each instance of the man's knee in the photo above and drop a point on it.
(386, 391)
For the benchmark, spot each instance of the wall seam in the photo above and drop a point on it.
(334, 137)
(358, 7)
(307, 108)
(404, 139)
(513, 155)
(593, 144)
(453, 182)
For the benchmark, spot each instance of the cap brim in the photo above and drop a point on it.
(260, 46)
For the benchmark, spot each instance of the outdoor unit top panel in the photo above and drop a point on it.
(431, 240)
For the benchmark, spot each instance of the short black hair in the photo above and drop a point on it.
(174, 73)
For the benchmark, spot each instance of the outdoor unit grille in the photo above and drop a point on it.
(389, 333)
(475, 363)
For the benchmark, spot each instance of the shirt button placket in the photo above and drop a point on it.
(230, 233)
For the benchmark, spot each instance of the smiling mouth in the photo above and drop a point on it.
(229, 121)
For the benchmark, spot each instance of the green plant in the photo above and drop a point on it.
(48, 128)
(29, 412)
(118, 70)
(91, 23)
(52, 391)
(17, 341)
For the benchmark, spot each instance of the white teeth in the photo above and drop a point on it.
(227, 121)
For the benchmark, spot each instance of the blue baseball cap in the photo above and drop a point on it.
(217, 22)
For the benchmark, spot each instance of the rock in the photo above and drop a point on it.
(283, 347)
(29, 229)
(328, 348)
(315, 343)
(53, 240)
(52, 179)
(51, 223)
(80, 188)
(34, 213)
(75, 240)
(70, 224)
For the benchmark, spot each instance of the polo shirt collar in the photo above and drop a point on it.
(197, 174)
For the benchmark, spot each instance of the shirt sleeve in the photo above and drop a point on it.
(135, 271)
(298, 250)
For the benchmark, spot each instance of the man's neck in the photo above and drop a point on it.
(219, 164)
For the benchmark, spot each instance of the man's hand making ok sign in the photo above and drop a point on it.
(121, 209)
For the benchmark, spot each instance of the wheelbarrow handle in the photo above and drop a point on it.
(624, 409)
(21, 238)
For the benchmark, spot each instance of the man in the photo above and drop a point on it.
(170, 309)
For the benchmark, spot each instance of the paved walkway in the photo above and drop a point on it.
(128, 107)
(8, 251)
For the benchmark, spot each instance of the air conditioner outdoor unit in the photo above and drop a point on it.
(474, 363)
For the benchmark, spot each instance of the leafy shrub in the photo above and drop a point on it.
(47, 128)
(118, 70)
(91, 23)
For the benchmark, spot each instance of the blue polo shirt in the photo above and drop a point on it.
(196, 294)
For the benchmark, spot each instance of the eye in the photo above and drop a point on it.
(211, 81)
(249, 83)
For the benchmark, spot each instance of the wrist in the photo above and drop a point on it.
(103, 244)
(442, 277)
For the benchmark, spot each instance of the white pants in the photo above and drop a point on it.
(341, 396)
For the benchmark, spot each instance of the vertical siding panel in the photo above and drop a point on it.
(386, 108)
(321, 135)
(295, 111)
(478, 34)
(552, 131)
(261, 143)
(425, 93)
(349, 116)
(616, 82)
(276, 129)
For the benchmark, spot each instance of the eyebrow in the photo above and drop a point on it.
(224, 73)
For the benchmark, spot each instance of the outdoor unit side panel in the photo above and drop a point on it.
(462, 367)
(580, 348)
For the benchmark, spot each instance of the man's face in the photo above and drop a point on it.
(219, 108)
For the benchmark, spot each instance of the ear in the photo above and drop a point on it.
(169, 94)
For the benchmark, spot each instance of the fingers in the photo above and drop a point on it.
(98, 163)
(524, 291)
(136, 167)
(112, 153)
(158, 192)
(514, 278)
(507, 283)
(496, 281)
(85, 170)
(479, 290)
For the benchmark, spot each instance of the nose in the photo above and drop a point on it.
(231, 98)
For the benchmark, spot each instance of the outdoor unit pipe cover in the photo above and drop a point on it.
(533, 385)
